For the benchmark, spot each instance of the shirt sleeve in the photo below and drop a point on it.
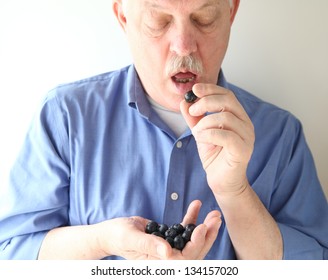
(36, 199)
(298, 203)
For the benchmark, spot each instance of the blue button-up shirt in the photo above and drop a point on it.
(97, 150)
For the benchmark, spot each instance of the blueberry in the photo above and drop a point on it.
(170, 240)
(176, 235)
(151, 227)
(179, 242)
(186, 235)
(157, 233)
(179, 228)
(190, 227)
(162, 228)
(190, 97)
(171, 232)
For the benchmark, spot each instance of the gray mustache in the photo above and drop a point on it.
(188, 63)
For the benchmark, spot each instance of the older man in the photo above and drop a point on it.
(109, 153)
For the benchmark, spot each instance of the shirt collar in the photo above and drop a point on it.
(137, 97)
(222, 82)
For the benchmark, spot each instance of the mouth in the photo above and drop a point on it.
(184, 81)
(184, 78)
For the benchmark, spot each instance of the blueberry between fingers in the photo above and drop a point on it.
(190, 97)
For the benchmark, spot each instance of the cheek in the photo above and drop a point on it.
(212, 54)
(150, 60)
(141, 57)
(153, 56)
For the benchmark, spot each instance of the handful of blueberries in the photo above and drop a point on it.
(176, 235)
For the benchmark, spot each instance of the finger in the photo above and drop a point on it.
(190, 120)
(151, 245)
(194, 248)
(192, 213)
(229, 140)
(203, 237)
(213, 222)
(206, 89)
(213, 98)
(226, 121)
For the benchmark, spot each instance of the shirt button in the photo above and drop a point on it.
(179, 144)
(174, 196)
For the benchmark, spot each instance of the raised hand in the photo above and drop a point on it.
(224, 134)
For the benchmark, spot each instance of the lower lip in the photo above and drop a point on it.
(182, 88)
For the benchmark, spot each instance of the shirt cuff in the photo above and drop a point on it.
(299, 246)
(23, 247)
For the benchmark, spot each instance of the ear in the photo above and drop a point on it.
(119, 13)
(233, 10)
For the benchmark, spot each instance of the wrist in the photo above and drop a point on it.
(72, 242)
(232, 193)
(101, 239)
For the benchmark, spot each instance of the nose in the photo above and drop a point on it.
(183, 40)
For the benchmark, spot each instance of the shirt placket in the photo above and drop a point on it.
(175, 193)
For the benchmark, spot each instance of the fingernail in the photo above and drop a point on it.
(193, 110)
(197, 87)
(195, 131)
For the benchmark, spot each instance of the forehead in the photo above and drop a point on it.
(174, 5)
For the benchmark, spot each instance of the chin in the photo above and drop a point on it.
(174, 103)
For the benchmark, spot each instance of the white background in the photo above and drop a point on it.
(278, 51)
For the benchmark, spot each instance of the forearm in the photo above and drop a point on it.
(74, 242)
(253, 231)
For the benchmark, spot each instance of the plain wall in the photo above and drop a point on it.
(278, 51)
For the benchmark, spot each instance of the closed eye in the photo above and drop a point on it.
(204, 23)
(156, 22)
(158, 26)
(156, 30)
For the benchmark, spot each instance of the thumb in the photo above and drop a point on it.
(190, 120)
(152, 245)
